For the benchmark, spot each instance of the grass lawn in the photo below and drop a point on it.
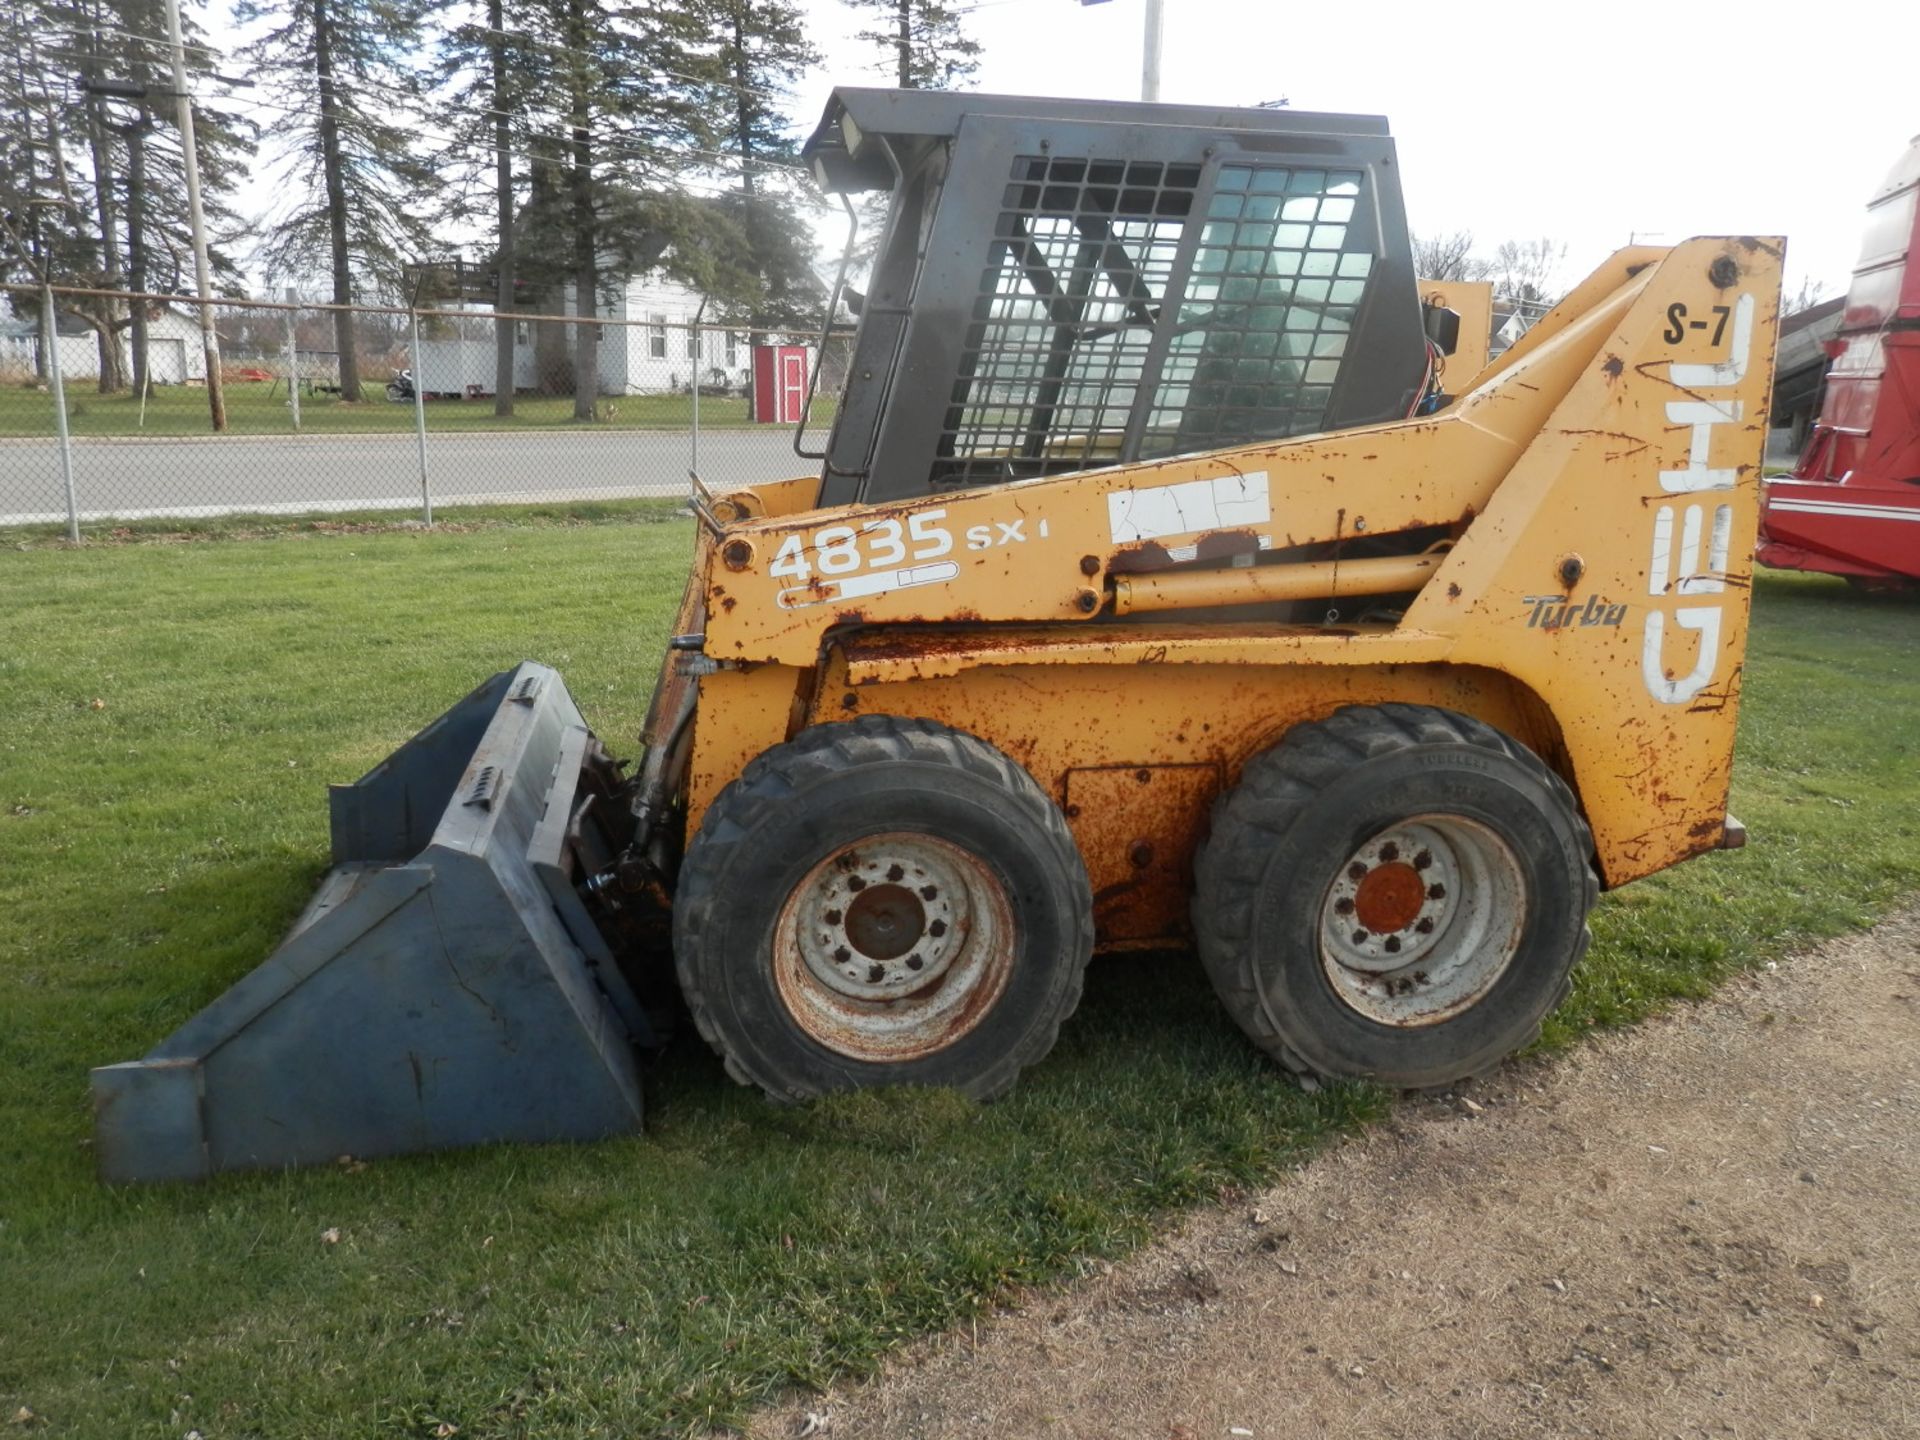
(175, 713)
(258, 408)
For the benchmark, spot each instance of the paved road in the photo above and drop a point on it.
(132, 478)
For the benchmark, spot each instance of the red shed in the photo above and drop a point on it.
(779, 383)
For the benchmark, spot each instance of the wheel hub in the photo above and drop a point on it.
(893, 946)
(885, 921)
(1422, 920)
(1389, 897)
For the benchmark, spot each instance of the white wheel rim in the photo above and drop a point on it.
(893, 947)
(1422, 920)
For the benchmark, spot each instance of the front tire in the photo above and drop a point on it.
(882, 902)
(1397, 893)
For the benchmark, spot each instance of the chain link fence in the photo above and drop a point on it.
(384, 409)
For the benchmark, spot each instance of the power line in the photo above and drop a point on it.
(153, 40)
(557, 49)
(520, 36)
(555, 148)
(411, 98)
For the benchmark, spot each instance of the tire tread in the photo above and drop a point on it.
(1281, 784)
(816, 756)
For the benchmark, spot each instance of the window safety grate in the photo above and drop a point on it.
(1062, 352)
(1083, 255)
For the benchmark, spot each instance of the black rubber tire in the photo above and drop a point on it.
(831, 785)
(1305, 806)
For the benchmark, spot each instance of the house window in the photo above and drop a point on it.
(693, 343)
(522, 332)
(657, 336)
(733, 349)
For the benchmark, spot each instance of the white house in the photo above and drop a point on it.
(647, 347)
(655, 349)
(175, 355)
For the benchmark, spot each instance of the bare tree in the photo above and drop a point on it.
(1448, 257)
(1526, 272)
(1809, 294)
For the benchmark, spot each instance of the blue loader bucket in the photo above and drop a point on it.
(445, 987)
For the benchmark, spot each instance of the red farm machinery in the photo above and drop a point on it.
(1851, 507)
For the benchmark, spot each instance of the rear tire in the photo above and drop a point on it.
(1397, 893)
(882, 902)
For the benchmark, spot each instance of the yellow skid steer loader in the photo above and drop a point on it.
(1159, 584)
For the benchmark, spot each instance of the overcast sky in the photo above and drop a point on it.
(1522, 118)
(1515, 119)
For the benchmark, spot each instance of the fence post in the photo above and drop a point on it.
(293, 368)
(57, 384)
(693, 460)
(420, 416)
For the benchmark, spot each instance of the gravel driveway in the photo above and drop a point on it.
(1706, 1226)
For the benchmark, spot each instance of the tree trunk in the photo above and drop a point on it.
(333, 168)
(137, 245)
(113, 358)
(503, 300)
(906, 44)
(586, 286)
(749, 198)
(552, 361)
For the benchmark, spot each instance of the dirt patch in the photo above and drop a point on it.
(1706, 1226)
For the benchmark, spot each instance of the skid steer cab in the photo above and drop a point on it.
(1162, 583)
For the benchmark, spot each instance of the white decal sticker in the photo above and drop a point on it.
(1702, 415)
(1705, 619)
(1731, 371)
(1673, 563)
(874, 582)
(1152, 512)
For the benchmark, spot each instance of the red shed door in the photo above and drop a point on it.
(793, 385)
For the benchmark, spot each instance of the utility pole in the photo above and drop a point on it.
(203, 286)
(1149, 47)
(1149, 51)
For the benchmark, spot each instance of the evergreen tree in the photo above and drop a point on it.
(608, 110)
(40, 213)
(760, 252)
(93, 184)
(342, 73)
(930, 49)
(593, 134)
(488, 73)
(138, 171)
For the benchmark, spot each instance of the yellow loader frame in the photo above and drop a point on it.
(1600, 480)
